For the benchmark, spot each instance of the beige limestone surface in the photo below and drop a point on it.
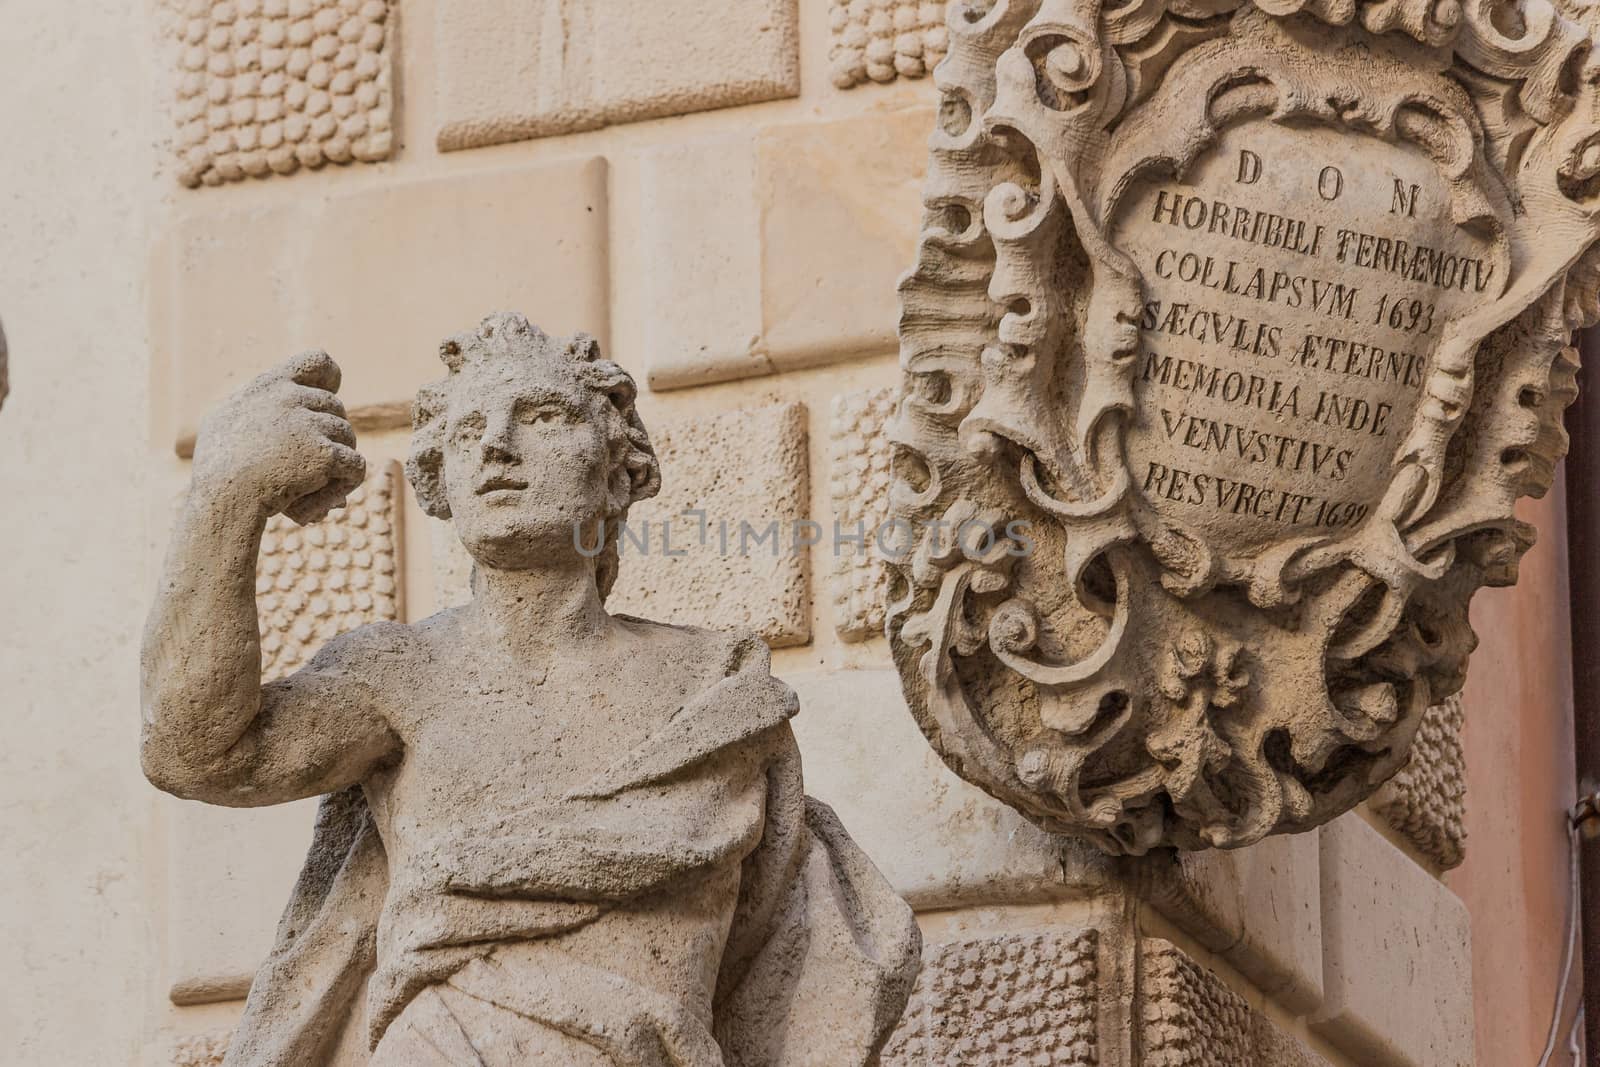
(778, 252)
(407, 260)
(1260, 908)
(1396, 951)
(76, 931)
(515, 69)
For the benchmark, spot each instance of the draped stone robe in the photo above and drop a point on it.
(511, 943)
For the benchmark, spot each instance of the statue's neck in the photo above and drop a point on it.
(534, 611)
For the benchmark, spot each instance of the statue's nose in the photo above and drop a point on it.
(497, 441)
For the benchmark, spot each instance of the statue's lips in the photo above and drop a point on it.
(500, 484)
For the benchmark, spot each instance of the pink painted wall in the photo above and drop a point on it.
(1519, 786)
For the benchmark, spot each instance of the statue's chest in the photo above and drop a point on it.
(528, 737)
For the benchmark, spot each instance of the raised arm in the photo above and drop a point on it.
(211, 730)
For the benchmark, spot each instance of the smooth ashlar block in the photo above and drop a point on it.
(858, 483)
(1397, 962)
(229, 871)
(874, 40)
(509, 70)
(800, 295)
(722, 545)
(703, 269)
(408, 263)
(825, 298)
(1260, 908)
(940, 841)
(265, 89)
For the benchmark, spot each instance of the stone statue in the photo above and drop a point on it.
(1255, 320)
(550, 834)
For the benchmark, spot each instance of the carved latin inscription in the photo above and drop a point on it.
(1296, 284)
(1234, 334)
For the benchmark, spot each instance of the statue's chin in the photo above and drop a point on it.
(522, 547)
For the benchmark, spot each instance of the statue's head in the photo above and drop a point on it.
(531, 444)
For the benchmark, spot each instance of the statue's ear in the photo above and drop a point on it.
(425, 465)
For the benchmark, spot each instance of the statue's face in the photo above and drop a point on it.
(525, 463)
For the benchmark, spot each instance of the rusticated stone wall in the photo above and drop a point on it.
(704, 197)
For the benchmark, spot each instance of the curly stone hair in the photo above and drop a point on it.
(635, 473)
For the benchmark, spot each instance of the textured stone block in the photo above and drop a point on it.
(268, 86)
(514, 69)
(1188, 1018)
(825, 297)
(1427, 801)
(1020, 999)
(1397, 967)
(1258, 907)
(316, 582)
(378, 277)
(881, 40)
(858, 483)
(940, 841)
(735, 563)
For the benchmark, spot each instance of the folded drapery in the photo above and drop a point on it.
(816, 968)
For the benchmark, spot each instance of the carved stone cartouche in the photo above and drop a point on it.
(1234, 334)
(548, 832)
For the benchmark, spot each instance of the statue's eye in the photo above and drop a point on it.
(538, 413)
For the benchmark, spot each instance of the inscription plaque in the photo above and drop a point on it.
(1234, 334)
(1295, 285)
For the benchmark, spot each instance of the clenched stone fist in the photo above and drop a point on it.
(284, 441)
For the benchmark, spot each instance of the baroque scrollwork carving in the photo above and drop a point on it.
(1234, 334)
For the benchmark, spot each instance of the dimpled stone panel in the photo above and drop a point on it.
(734, 564)
(318, 581)
(858, 483)
(268, 86)
(880, 40)
(1189, 1018)
(1427, 801)
(1023, 1000)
